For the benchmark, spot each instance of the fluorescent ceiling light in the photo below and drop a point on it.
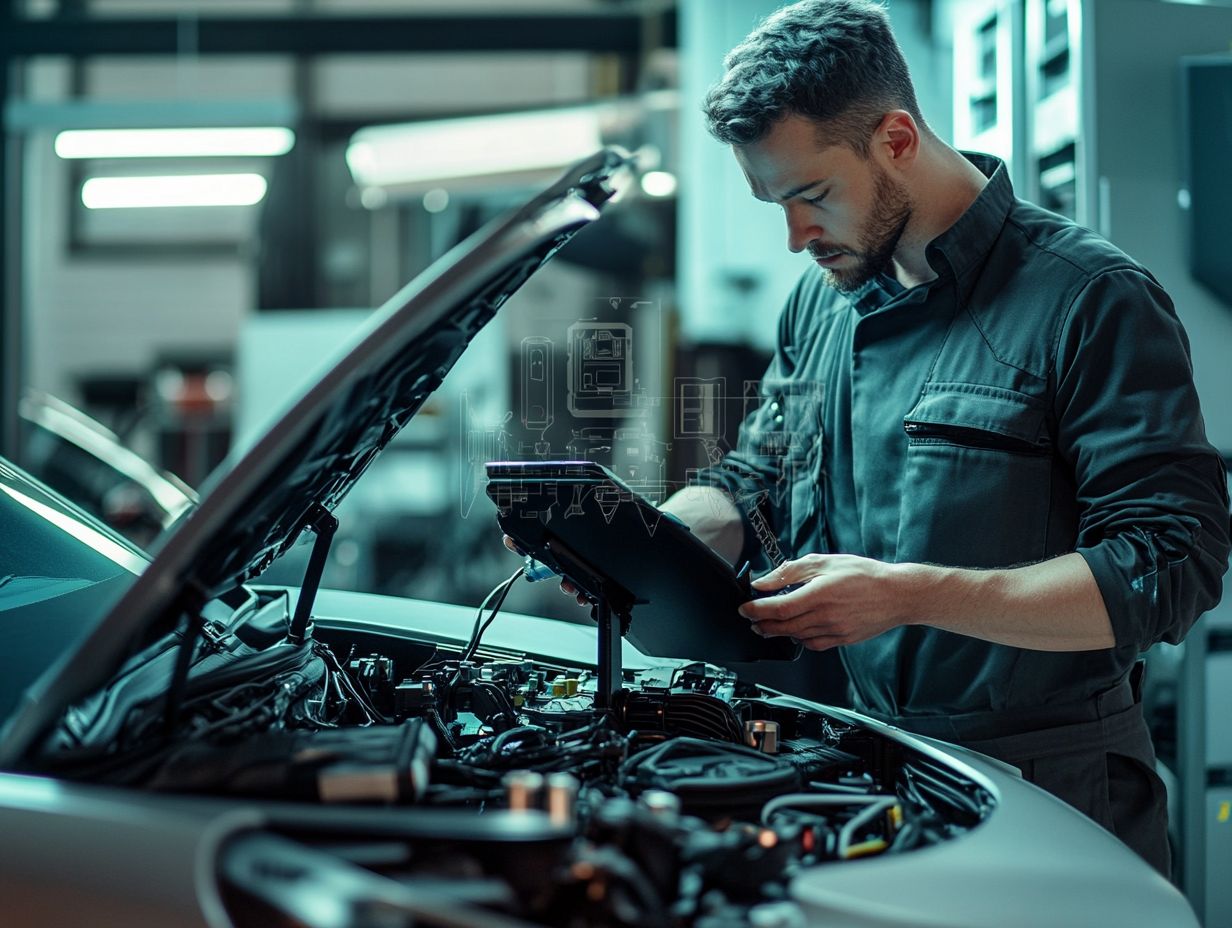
(174, 143)
(442, 150)
(167, 113)
(174, 190)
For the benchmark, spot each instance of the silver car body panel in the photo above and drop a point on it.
(1033, 862)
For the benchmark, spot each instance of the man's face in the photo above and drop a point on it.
(845, 210)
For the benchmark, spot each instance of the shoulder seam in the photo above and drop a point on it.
(1091, 279)
(1127, 265)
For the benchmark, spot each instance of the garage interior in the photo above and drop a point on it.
(305, 159)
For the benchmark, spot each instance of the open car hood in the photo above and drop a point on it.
(255, 505)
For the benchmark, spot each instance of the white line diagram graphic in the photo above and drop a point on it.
(601, 370)
(480, 444)
(538, 401)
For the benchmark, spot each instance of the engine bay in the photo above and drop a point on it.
(429, 778)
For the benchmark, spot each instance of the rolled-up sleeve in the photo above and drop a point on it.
(1152, 491)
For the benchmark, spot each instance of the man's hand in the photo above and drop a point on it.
(843, 599)
(1054, 605)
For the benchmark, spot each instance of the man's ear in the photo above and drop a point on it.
(897, 139)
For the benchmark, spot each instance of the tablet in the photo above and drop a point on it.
(583, 522)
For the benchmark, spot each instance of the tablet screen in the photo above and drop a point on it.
(583, 522)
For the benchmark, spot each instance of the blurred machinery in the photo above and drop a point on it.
(390, 526)
(1204, 757)
(1105, 115)
(190, 411)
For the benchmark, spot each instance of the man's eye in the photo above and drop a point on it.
(815, 201)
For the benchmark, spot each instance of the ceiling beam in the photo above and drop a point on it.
(602, 32)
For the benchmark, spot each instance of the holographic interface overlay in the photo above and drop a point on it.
(594, 387)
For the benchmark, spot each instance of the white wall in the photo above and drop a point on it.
(88, 313)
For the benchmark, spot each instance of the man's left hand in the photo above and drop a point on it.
(843, 599)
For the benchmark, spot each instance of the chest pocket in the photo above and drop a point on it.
(978, 477)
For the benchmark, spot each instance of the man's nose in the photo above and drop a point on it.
(800, 232)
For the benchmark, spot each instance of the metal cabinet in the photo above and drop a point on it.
(1106, 142)
(1084, 98)
(989, 82)
(1055, 55)
(1204, 716)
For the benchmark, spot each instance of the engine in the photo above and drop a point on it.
(444, 784)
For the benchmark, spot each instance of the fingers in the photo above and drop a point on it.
(782, 607)
(806, 630)
(790, 572)
(804, 627)
(824, 600)
(571, 590)
(819, 642)
(512, 545)
(822, 642)
(802, 614)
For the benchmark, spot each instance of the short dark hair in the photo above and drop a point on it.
(834, 61)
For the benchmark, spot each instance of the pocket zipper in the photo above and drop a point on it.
(971, 438)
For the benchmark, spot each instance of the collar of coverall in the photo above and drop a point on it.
(963, 248)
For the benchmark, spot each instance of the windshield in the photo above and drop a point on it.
(59, 570)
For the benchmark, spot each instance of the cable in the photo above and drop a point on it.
(857, 821)
(340, 675)
(499, 592)
(842, 788)
(928, 780)
(479, 612)
(804, 800)
(514, 733)
(583, 752)
(907, 837)
(874, 806)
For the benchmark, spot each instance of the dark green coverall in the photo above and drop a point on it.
(1036, 398)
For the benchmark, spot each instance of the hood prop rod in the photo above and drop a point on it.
(193, 601)
(321, 521)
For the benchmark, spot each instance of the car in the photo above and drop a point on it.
(87, 462)
(184, 746)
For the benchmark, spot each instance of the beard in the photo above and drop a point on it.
(878, 240)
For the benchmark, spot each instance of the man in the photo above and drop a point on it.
(981, 444)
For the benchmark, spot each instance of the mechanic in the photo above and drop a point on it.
(980, 436)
